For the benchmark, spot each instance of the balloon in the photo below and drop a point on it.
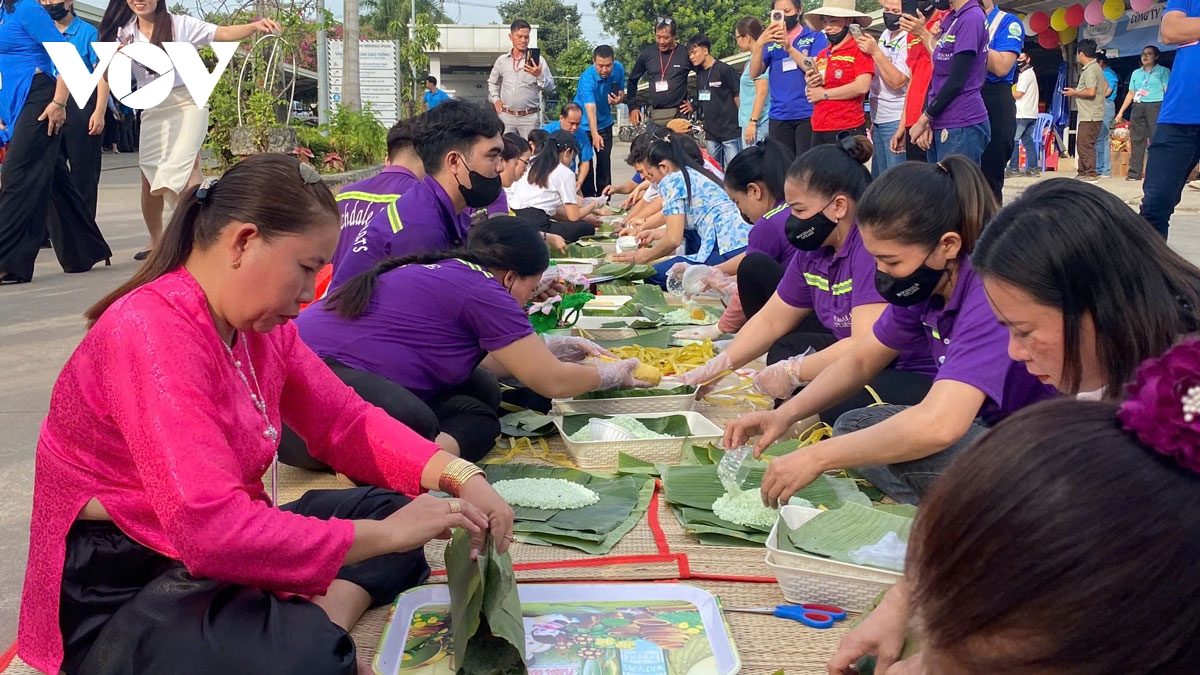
(1074, 16)
(1039, 21)
(1093, 14)
(1058, 20)
(1068, 36)
(1048, 39)
(1141, 5)
(1114, 9)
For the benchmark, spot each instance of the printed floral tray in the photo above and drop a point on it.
(575, 629)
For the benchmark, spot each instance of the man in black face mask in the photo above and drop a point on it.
(84, 129)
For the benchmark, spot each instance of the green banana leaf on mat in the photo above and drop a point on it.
(527, 424)
(579, 251)
(647, 295)
(485, 610)
(681, 390)
(590, 238)
(671, 425)
(653, 338)
(602, 547)
(835, 533)
(618, 497)
(628, 465)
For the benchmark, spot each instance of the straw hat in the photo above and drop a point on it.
(679, 125)
(839, 8)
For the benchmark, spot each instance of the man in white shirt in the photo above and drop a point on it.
(516, 83)
(1026, 93)
(890, 54)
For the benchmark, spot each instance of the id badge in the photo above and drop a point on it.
(661, 86)
(705, 95)
(1139, 95)
(789, 65)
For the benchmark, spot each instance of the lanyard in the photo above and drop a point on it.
(663, 67)
(517, 67)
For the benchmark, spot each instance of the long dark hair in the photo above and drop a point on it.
(765, 163)
(269, 190)
(547, 159)
(514, 146)
(1059, 544)
(501, 243)
(1103, 261)
(916, 203)
(674, 147)
(119, 14)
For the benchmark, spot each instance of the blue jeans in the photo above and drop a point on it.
(715, 258)
(760, 132)
(969, 141)
(1173, 154)
(1025, 129)
(724, 151)
(1103, 149)
(884, 158)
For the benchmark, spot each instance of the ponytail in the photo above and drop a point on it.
(678, 148)
(547, 159)
(766, 162)
(836, 168)
(909, 203)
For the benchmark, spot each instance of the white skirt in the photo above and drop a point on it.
(172, 134)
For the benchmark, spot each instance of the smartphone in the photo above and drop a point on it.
(908, 7)
(777, 16)
(856, 30)
(615, 89)
(533, 57)
(807, 64)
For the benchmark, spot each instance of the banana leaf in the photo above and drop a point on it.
(650, 295)
(579, 251)
(693, 517)
(833, 534)
(618, 497)
(641, 272)
(636, 393)
(694, 486)
(614, 270)
(486, 623)
(672, 425)
(655, 338)
(527, 424)
(717, 539)
(632, 466)
(645, 494)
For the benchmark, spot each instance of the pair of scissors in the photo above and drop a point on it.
(811, 615)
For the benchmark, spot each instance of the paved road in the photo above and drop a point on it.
(40, 325)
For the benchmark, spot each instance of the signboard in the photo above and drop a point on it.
(378, 77)
(1147, 19)
(1130, 33)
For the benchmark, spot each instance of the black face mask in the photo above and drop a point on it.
(892, 21)
(745, 217)
(809, 234)
(791, 21)
(926, 8)
(836, 38)
(483, 191)
(941, 5)
(910, 290)
(57, 11)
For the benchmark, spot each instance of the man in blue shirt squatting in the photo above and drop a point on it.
(1006, 40)
(571, 120)
(1175, 148)
(433, 95)
(459, 145)
(601, 87)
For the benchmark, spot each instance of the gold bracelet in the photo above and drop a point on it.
(456, 474)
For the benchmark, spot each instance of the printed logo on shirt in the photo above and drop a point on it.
(841, 320)
(173, 57)
(1015, 30)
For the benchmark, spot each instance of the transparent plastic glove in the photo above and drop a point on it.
(780, 379)
(619, 375)
(715, 280)
(675, 279)
(550, 277)
(574, 349)
(707, 372)
(888, 553)
(699, 333)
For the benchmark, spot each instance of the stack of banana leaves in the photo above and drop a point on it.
(579, 252)
(593, 529)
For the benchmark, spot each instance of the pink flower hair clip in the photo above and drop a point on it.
(1162, 407)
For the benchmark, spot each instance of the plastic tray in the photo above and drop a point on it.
(810, 578)
(603, 454)
(724, 659)
(625, 406)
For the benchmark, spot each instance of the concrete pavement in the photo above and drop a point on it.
(40, 324)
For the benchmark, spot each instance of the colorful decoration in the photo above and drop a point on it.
(1114, 9)
(1093, 14)
(1074, 16)
(1058, 20)
(1141, 5)
(1048, 39)
(1068, 36)
(1040, 21)
(558, 312)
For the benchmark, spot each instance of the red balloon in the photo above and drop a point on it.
(1039, 22)
(1049, 39)
(1074, 16)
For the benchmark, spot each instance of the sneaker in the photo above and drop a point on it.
(1012, 173)
(1195, 185)
(1032, 173)
(1133, 177)
(1090, 179)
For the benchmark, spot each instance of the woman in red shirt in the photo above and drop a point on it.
(921, 36)
(842, 77)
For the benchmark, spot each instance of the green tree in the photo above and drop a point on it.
(391, 17)
(557, 22)
(567, 69)
(632, 22)
(414, 58)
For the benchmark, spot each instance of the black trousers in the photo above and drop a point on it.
(1002, 115)
(36, 182)
(1143, 120)
(126, 609)
(600, 176)
(83, 153)
(1173, 154)
(569, 231)
(831, 137)
(758, 277)
(912, 151)
(467, 413)
(795, 134)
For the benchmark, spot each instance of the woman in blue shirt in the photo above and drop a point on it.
(33, 110)
(1103, 149)
(1146, 88)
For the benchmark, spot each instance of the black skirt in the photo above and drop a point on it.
(126, 609)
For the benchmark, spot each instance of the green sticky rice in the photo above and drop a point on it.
(545, 493)
(634, 427)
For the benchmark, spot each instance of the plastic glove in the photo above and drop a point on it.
(574, 349)
(718, 281)
(550, 277)
(619, 375)
(707, 372)
(780, 379)
(699, 333)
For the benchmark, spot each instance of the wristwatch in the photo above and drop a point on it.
(825, 96)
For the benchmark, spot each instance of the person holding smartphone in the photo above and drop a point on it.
(601, 87)
(783, 49)
(517, 81)
(842, 78)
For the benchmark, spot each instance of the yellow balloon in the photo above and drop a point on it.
(1068, 36)
(1058, 20)
(1114, 9)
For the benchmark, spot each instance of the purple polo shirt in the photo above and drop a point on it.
(361, 203)
(832, 284)
(499, 207)
(964, 29)
(769, 236)
(968, 344)
(426, 329)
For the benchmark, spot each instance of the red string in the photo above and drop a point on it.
(7, 657)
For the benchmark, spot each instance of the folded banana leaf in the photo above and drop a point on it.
(579, 251)
(636, 393)
(628, 465)
(527, 424)
(485, 610)
(614, 270)
(835, 533)
(618, 497)
(694, 486)
(659, 339)
(590, 546)
(671, 425)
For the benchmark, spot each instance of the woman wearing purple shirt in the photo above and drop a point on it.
(955, 121)
(826, 301)
(920, 222)
(425, 338)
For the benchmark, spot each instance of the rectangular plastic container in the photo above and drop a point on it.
(603, 454)
(625, 406)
